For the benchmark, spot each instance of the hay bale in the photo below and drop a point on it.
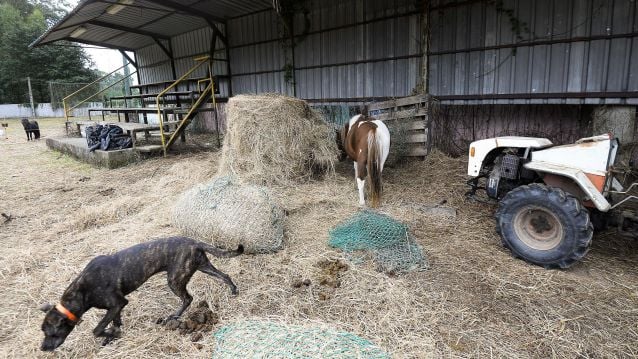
(227, 214)
(275, 139)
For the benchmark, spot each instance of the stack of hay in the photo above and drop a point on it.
(275, 139)
(271, 139)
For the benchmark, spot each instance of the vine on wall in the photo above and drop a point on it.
(287, 10)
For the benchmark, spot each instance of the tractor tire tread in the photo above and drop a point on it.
(578, 217)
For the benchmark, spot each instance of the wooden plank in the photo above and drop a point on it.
(412, 100)
(391, 116)
(412, 125)
(417, 151)
(382, 105)
(404, 101)
(416, 125)
(416, 138)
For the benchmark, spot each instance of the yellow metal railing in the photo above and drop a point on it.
(200, 61)
(188, 114)
(65, 103)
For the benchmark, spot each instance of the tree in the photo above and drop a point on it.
(21, 23)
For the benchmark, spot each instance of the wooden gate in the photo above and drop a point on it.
(412, 115)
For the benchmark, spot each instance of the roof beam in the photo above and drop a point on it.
(218, 33)
(97, 43)
(168, 53)
(128, 58)
(126, 29)
(188, 10)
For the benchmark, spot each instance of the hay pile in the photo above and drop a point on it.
(275, 139)
(227, 214)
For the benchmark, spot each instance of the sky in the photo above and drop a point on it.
(105, 60)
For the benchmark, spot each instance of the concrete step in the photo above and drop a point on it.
(149, 148)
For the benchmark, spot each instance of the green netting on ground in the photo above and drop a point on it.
(266, 339)
(388, 240)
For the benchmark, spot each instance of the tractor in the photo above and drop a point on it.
(551, 198)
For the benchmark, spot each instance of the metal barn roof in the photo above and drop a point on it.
(133, 24)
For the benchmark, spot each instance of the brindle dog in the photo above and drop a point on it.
(106, 280)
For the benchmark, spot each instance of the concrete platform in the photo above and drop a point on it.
(77, 148)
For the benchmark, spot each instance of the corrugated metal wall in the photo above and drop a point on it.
(574, 48)
(155, 66)
(257, 57)
(352, 51)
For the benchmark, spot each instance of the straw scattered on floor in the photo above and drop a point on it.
(474, 301)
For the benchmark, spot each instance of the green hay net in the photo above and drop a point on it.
(264, 339)
(388, 240)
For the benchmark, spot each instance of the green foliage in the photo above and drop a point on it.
(517, 26)
(21, 23)
(287, 10)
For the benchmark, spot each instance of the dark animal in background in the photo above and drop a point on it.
(106, 280)
(31, 128)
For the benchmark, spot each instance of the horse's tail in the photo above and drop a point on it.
(374, 168)
(36, 129)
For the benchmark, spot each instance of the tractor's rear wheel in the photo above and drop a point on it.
(544, 225)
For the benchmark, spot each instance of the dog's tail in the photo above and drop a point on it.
(222, 253)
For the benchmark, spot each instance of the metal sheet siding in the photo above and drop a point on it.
(155, 65)
(568, 60)
(350, 51)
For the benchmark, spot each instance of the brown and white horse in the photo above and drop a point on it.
(367, 142)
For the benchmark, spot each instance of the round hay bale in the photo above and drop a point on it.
(275, 139)
(227, 214)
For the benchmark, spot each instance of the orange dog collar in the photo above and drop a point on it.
(67, 313)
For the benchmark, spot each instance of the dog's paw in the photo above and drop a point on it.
(114, 332)
(106, 341)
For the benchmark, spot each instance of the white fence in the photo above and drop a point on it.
(42, 110)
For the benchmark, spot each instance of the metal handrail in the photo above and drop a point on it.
(192, 109)
(201, 60)
(102, 90)
(66, 115)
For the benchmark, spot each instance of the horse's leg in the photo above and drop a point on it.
(361, 175)
(356, 172)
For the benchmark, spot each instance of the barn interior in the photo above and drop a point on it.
(449, 71)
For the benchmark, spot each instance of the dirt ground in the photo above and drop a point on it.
(475, 300)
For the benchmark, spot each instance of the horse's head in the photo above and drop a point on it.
(25, 121)
(341, 134)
